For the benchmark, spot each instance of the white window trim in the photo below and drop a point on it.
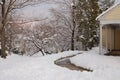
(110, 22)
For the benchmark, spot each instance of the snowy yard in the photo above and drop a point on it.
(51, 26)
(43, 68)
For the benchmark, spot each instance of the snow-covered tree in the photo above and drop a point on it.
(87, 11)
(41, 36)
(105, 4)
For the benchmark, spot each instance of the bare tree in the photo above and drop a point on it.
(7, 7)
(66, 16)
(41, 35)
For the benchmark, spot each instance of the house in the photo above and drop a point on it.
(110, 29)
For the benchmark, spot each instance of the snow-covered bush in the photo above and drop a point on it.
(15, 51)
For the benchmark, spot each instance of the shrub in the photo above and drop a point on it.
(16, 51)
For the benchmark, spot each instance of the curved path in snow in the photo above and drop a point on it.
(65, 62)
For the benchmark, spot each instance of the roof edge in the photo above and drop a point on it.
(107, 10)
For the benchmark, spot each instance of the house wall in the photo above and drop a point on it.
(104, 37)
(112, 34)
(108, 37)
(113, 14)
(117, 39)
(113, 38)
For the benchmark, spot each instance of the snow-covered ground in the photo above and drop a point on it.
(35, 68)
(43, 68)
(104, 67)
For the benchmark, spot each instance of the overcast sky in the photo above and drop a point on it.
(117, 0)
(39, 11)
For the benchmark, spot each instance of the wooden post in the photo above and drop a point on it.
(106, 38)
(110, 39)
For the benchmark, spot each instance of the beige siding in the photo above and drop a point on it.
(110, 37)
(112, 34)
(104, 37)
(117, 39)
(113, 14)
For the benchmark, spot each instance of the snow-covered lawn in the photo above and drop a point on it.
(104, 67)
(35, 68)
(43, 68)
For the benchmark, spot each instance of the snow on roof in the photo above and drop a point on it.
(108, 10)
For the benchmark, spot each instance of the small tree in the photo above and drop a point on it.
(40, 36)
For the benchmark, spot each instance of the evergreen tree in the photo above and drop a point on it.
(87, 11)
(105, 4)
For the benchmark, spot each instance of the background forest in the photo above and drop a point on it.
(66, 25)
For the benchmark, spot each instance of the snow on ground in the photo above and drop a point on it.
(104, 67)
(35, 68)
(17, 67)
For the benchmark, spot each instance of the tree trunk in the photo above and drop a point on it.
(42, 52)
(72, 38)
(74, 25)
(3, 54)
(38, 48)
